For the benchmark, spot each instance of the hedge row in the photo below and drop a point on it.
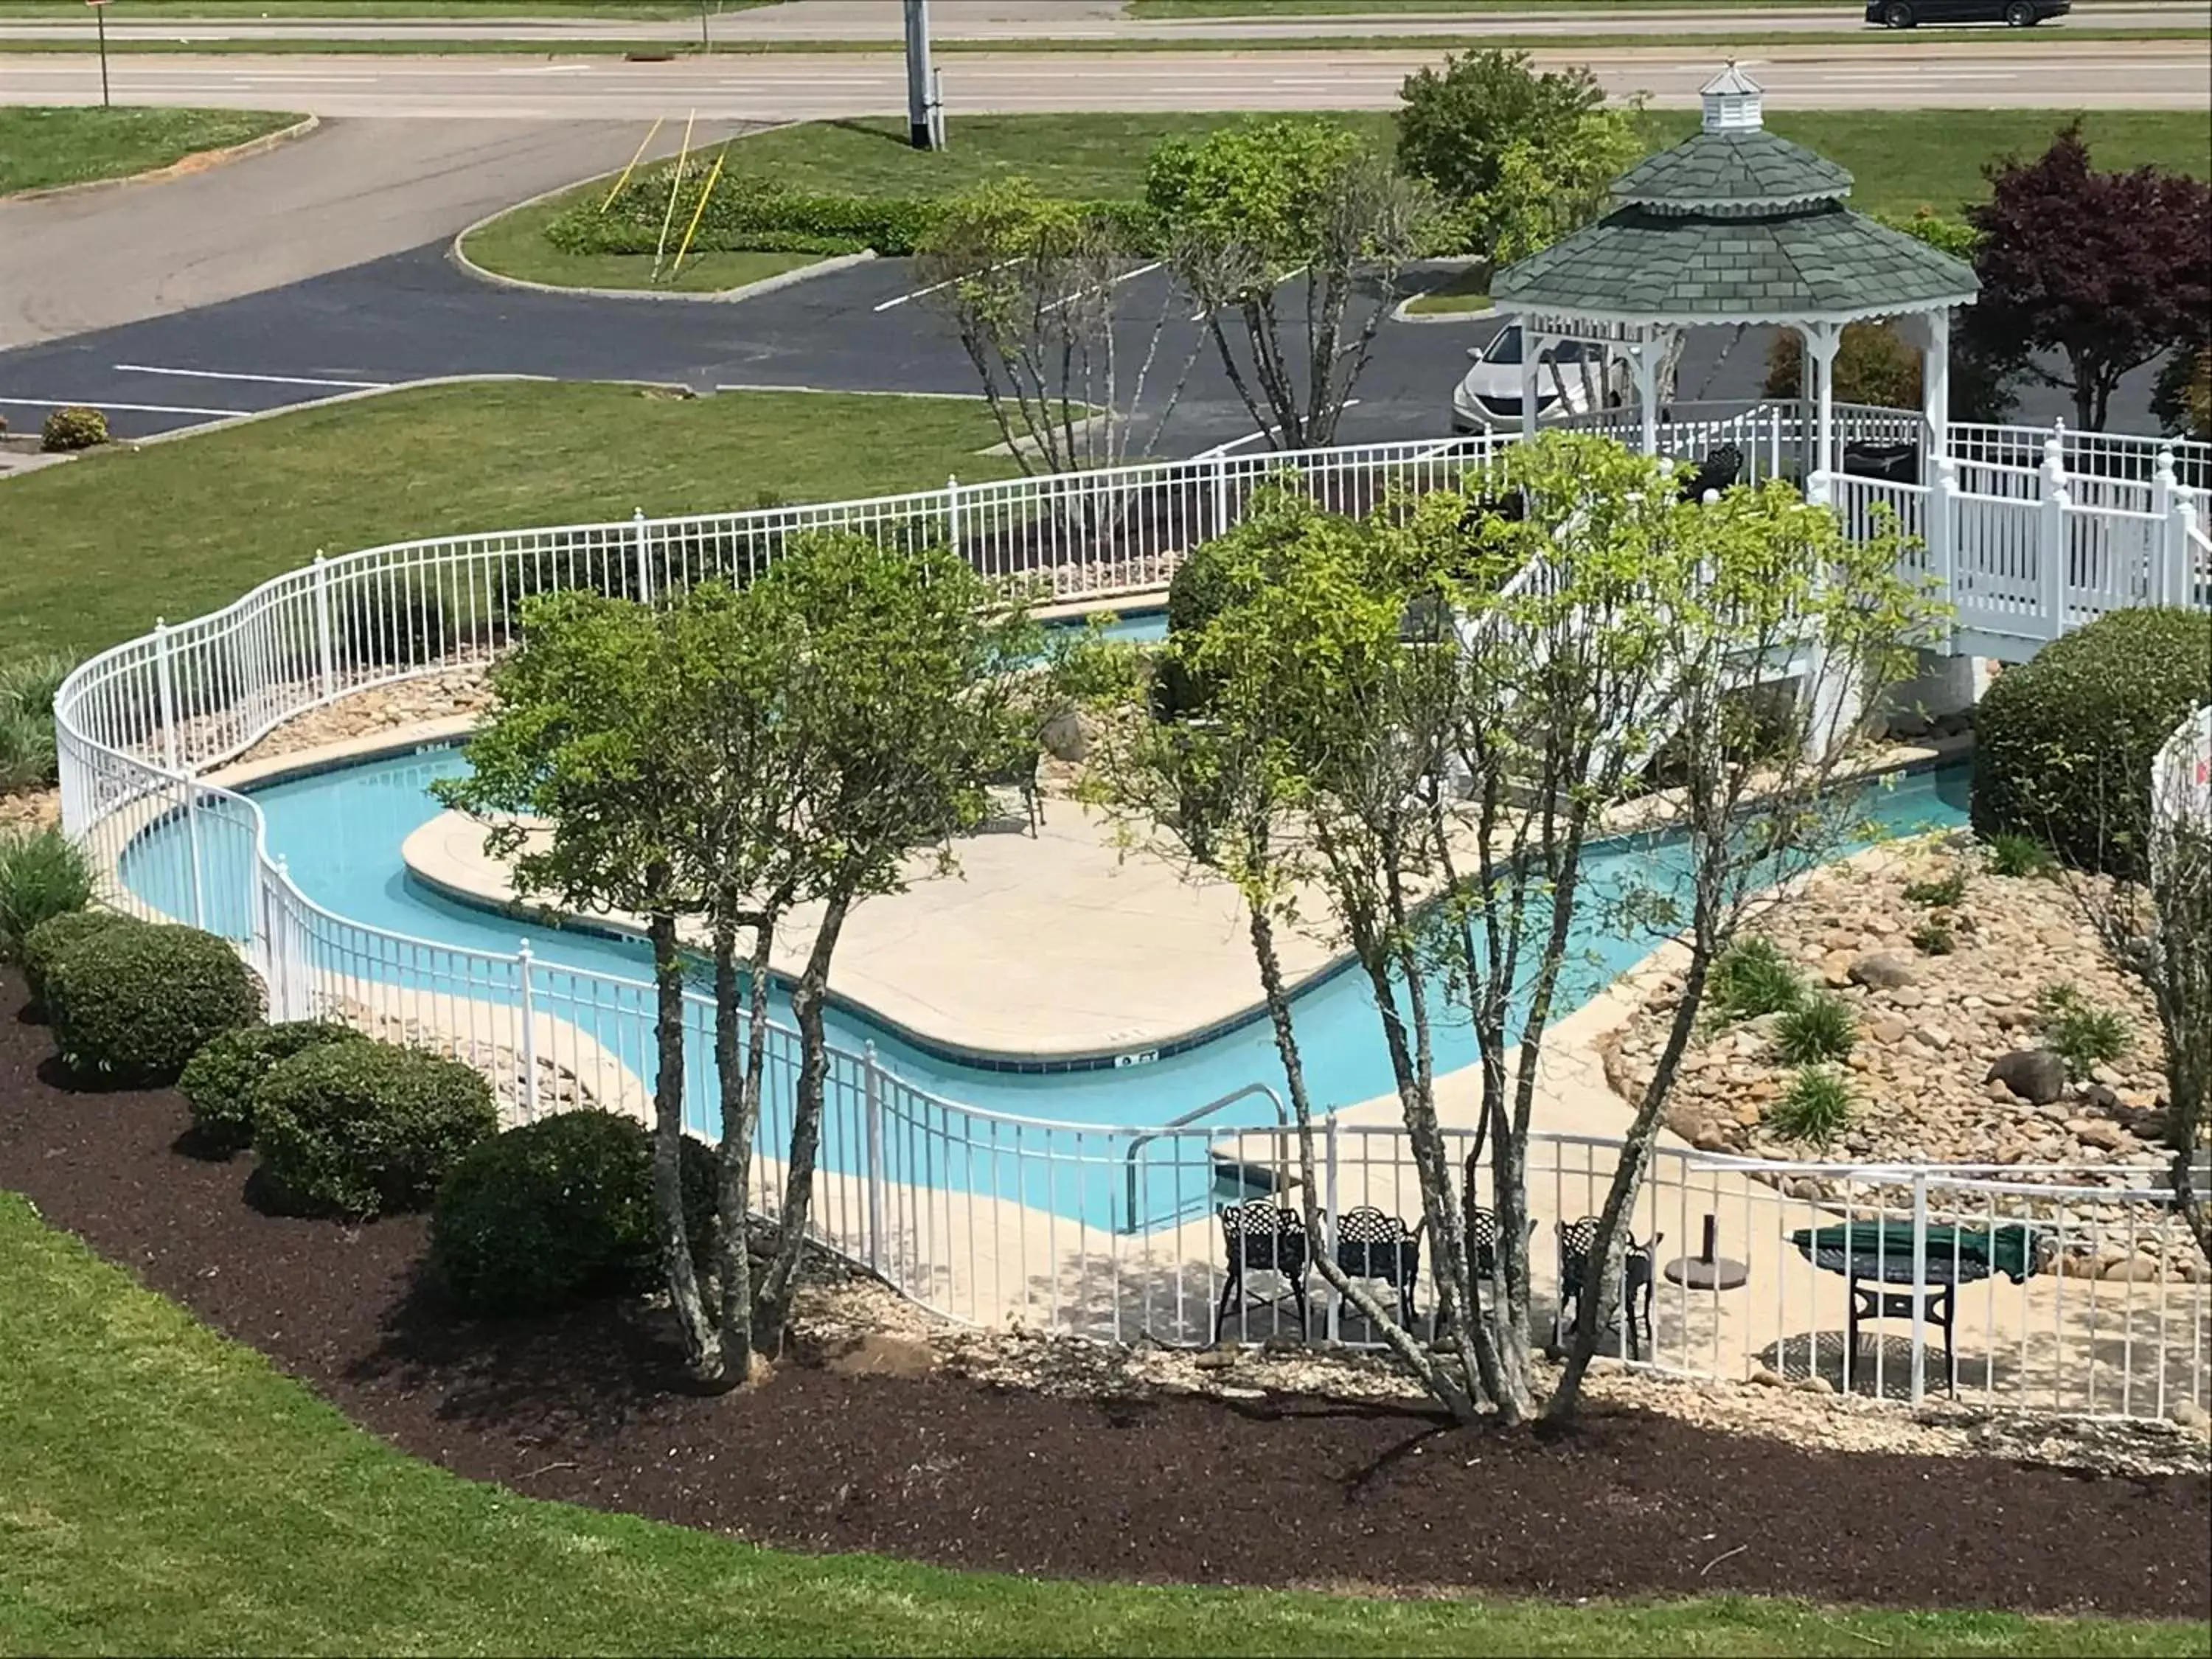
(754, 214)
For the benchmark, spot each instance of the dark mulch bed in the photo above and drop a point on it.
(584, 1407)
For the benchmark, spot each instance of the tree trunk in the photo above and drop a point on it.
(1423, 1364)
(740, 1080)
(772, 1310)
(702, 1348)
(1627, 1179)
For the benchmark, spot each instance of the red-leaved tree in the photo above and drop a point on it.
(2109, 270)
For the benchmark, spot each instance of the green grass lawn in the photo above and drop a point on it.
(40, 147)
(1468, 291)
(514, 244)
(97, 549)
(1901, 159)
(164, 1491)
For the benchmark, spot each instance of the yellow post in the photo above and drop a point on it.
(634, 160)
(675, 184)
(699, 212)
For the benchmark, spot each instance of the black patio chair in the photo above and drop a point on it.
(1579, 1284)
(1371, 1245)
(1018, 772)
(1262, 1235)
(1720, 469)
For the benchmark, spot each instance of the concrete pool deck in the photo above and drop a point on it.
(1054, 946)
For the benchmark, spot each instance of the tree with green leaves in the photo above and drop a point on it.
(1251, 209)
(588, 737)
(1520, 158)
(897, 695)
(1407, 734)
(1033, 286)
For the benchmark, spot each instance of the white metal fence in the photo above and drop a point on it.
(1101, 1232)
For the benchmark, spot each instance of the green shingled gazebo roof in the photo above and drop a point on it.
(1748, 169)
(1824, 262)
(1734, 225)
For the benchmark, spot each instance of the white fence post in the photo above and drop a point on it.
(526, 1037)
(1943, 539)
(953, 513)
(2051, 558)
(1920, 1286)
(1328, 1219)
(1220, 494)
(2179, 576)
(327, 668)
(167, 691)
(644, 564)
(871, 1094)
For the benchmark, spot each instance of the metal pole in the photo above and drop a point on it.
(526, 1044)
(872, 1091)
(99, 13)
(918, 131)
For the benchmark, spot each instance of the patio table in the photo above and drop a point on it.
(1874, 1255)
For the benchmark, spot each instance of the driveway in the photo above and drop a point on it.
(351, 192)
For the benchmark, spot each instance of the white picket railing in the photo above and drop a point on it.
(984, 1215)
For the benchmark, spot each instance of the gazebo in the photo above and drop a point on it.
(1735, 226)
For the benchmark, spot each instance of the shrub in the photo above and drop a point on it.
(27, 749)
(2019, 855)
(130, 1005)
(30, 684)
(2063, 745)
(2079, 1032)
(365, 1129)
(46, 943)
(1814, 1108)
(74, 427)
(1872, 365)
(1752, 977)
(560, 1211)
(1935, 937)
(43, 874)
(1818, 1028)
(219, 1082)
(1938, 892)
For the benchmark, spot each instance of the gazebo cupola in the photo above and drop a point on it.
(1735, 226)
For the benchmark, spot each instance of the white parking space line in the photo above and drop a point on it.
(1116, 282)
(129, 409)
(918, 293)
(271, 379)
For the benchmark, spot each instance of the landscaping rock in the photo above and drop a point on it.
(1880, 971)
(2036, 1075)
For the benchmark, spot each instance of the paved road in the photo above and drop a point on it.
(2138, 74)
(1101, 20)
(353, 191)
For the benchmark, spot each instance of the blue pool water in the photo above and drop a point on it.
(1127, 627)
(340, 834)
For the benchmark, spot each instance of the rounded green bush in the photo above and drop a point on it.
(2063, 745)
(43, 874)
(364, 1128)
(45, 943)
(219, 1082)
(560, 1211)
(131, 1005)
(73, 427)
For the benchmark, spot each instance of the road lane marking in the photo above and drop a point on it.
(273, 380)
(128, 409)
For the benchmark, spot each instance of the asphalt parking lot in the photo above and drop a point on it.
(415, 315)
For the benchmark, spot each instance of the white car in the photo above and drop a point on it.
(1488, 398)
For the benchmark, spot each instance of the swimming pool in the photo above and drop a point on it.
(340, 834)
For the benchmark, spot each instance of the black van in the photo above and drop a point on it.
(1908, 14)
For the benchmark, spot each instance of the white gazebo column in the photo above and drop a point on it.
(1531, 348)
(1645, 360)
(1821, 340)
(1935, 386)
